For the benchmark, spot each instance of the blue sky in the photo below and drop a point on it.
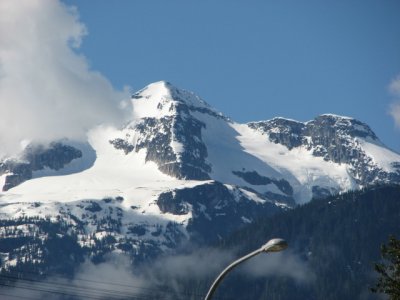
(257, 60)
(251, 60)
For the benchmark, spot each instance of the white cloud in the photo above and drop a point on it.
(285, 264)
(204, 265)
(394, 86)
(394, 111)
(47, 89)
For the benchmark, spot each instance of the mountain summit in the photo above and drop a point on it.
(162, 98)
(188, 140)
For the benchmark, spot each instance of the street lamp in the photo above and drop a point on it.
(273, 245)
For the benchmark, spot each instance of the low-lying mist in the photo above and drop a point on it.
(181, 276)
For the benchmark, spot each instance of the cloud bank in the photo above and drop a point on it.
(47, 89)
(394, 89)
(112, 279)
(168, 277)
(203, 265)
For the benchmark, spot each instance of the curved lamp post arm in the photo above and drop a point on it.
(227, 269)
(273, 245)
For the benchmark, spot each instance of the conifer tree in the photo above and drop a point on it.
(389, 270)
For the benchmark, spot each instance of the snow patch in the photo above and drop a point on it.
(252, 196)
(299, 167)
(383, 157)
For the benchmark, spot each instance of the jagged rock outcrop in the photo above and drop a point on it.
(217, 210)
(334, 138)
(173, 139)
(34, 158)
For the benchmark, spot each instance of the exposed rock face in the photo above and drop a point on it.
(122, 144)
(217, 210)
(256, 179)
(282, 131)
(172, 140)
(158, 137)
(334, 138)
(34, 158)
(326, 135)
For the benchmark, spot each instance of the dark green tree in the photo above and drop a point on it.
(389, 270)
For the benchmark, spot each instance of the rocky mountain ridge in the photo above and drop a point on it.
(34, 158)
(334, 138)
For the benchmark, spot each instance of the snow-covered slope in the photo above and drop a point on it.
(347, 149)
(282, 158)
(181, 169)
(175, 138)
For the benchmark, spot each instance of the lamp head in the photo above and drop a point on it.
(275, 245)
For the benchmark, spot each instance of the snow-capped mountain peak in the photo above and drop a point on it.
(180, 170)
(288, 159)
(161, 98)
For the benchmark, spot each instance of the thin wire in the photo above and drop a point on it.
(16, 296)
(47, 291)
(84, 291)
(118, 284)
(75, 286)
(44, 287)
(80, 295)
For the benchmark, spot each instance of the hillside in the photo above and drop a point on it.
(337, 239)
